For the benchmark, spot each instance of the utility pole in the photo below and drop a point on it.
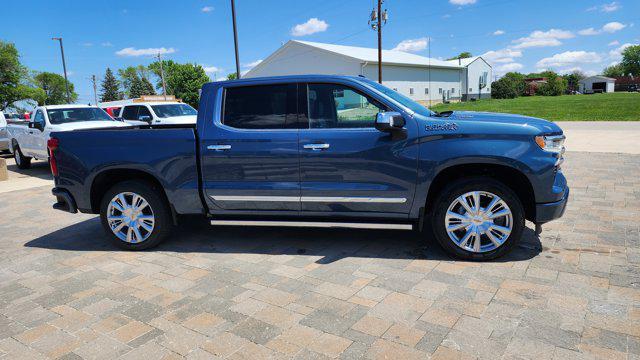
(95, 90)
(64, 67)
(429, 71)
(235, 37)
(376, 21)
(164, 84)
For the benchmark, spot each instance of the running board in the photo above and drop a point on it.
(313, 224)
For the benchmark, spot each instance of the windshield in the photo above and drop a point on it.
(171, 110)
(68, 115)
(405, 101)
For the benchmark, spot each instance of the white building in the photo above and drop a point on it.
(420, 78)
(597, 83)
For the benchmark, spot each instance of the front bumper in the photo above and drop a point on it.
(65, 201)
(551, 211)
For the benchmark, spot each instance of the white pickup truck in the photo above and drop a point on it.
(29, 141)
(158, 113)
(4, 135)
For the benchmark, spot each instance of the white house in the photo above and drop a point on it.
(420, 78)
(597, 83)
(476, 71)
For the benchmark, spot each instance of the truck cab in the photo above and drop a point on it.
(158, 113)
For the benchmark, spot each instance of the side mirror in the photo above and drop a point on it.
(146, 118)
(389, 121)
(31, 125)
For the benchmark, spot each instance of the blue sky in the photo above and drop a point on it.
(514, 35)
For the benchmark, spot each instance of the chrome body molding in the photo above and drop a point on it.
(328, 199)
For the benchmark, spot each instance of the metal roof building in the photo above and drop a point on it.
(423, 79)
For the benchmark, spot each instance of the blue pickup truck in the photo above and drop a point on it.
(319, 147)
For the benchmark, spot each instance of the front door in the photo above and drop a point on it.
(348, 167)
(250, 157)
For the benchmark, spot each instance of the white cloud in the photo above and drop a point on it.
(614, 43)
(569, 59)
(312, 26)
(499, 32)
(540, 38)
(106, 44)
(130, 51)
(412, 45)
(87, 44)
(610, 7)
(252, 64)
(207, 9)
(613, 27)
(501, 56)
(210, 69)
(508, 67)
(588, 32)
(616, 54)
(462, 2)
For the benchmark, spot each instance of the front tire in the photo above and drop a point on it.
(23, 162)
(477, 218)
(135, 215)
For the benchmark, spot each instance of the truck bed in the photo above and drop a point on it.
(168, 153)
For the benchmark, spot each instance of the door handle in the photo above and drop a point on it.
(316, 147)
(219, 147)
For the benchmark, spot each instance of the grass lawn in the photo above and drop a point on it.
(602, 107)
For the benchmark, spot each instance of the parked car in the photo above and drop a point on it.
(319, 147)
(28, 140)
(158, 113)
(4, 137)
(113, 111)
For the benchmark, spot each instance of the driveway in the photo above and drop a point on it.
(248, 292)
(602, 136)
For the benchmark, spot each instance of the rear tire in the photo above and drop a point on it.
(135, 215)
(23, 162)
(494, 236)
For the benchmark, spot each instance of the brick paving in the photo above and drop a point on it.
(251, 293)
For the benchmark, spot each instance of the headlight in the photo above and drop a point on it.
(554, 143)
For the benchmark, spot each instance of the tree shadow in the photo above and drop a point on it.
(329, 244)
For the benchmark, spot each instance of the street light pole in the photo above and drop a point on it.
(235, 37)
(164, 85)
(95, 90)
(64, 67)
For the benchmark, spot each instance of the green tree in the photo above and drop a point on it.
(613, 71)
(183, 80)
(136, 89)
(14, 78)
(232, 76)
(110, 88)
(554, 86)
(54, 88)
(518, 82)
(129, 74)
(573, 79)
(462, 55)
(147, 87)
(631, 60)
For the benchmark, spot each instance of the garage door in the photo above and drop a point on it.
(600, 86)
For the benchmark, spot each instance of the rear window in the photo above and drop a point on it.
(68, 115)
(261, 107)
(171, 110)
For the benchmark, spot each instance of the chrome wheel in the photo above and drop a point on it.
(130, 217)
(479, 221)
(16, 157)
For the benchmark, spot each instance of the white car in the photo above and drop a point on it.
(158, 113)
(4, 135)
(29, 140)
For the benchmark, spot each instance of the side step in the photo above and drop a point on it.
(314, 224)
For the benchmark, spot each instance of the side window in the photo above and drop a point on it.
(261, 107)
(39, 118)
(130, 113)
(338, 106)
(144, 111)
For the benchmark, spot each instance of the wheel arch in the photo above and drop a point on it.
(108, 178)
(511, 177)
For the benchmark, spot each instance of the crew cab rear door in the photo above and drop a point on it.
(347, 166)
(249, 154)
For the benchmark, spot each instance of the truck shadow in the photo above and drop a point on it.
(39, 169)
(328, 244)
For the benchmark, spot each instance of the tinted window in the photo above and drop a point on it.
(68, 115)
(261, 107)
(130, 113)
(144, 111)
(170, 110)
(338, 106)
